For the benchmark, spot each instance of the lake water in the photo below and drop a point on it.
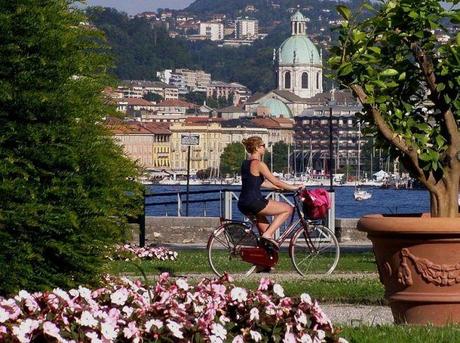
(389, 201)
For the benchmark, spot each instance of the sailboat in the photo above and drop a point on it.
(360, 194)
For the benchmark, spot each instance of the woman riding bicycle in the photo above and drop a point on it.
(254, 175)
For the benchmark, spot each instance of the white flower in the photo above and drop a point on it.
(61, 294)
(320, 334)
(153, 322)
(4, 316)
(119, 297)
(94, 337)
(342, 340)
(175, 329)
(305, 339)
(239, 294)
(254, 314)
(301, 318)
(224, 320)
(289, 338)
(108, 331)
(128, 310)
(219, 331)
(305, 298)
(52, 330)
(182, 284)
(85, 293)
(278, 290)
(238, 339)
(215, 339)
(87, 319)
(23, 331)
(256, 336)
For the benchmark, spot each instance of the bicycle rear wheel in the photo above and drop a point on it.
(224, 248)
(314, 250)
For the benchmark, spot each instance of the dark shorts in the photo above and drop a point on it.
(253, 207)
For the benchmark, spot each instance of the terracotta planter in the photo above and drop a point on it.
(418, 259)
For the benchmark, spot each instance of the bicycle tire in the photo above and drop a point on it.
(314, 251)
(223, 249)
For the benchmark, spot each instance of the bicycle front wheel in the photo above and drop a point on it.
(314, 250)
(224, 248)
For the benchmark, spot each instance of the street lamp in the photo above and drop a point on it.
(331, 212)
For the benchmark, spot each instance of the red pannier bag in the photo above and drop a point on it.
(315, 203)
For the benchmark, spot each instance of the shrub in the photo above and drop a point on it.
(65, 187)
(171, 311)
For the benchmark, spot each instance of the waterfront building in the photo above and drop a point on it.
(246, 28)
(203, 156)
(312, 133)
(148, 144)
(212, 30)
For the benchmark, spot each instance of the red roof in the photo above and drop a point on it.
(176, 103)
(135, 102)
(117, 126)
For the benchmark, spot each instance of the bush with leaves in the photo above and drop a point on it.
(65, 186)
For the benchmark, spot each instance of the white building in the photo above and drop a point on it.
(246, 28)
(212, 31)
(300, 68)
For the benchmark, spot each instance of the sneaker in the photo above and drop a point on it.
(269, 242)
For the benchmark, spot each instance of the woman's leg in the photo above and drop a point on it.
(280, 210)
(262, 223)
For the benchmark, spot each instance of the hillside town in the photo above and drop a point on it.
(296, 113)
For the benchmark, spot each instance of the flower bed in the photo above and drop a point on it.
(129, 252)
(171, 310)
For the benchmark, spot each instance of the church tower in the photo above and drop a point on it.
(300, 67)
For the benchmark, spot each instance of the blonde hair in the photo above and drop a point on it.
(252, 143)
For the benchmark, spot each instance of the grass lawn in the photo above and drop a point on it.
(196, 261)
(327, 289)
(401, 334)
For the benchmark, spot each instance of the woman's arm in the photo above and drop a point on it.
(263, 169)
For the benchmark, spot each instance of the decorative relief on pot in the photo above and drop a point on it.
(437, 274)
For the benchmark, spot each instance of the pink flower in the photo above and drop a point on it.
(87, 319)
(239, 294)
(131, 330)
(52, 330)
(25, 329)
(119, 297)
(289, 338)
(305, 298)
(182, 284)
(175, 328)
(4, 315)
(254, 314)
(109, 331)
(306, 339)
(153, 322)
(264, 284)
(238, 339)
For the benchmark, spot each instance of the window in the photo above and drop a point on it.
(287, 80)
(317, 80)
(304, 80)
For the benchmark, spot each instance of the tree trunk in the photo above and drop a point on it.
(444, 200)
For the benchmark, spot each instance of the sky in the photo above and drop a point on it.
(138, 6)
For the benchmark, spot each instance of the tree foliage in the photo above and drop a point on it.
(231, 159)
(408, 83)
(65, 186)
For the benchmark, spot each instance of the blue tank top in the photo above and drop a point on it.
(250, 184)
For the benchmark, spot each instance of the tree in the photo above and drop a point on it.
(408, 83)
(66, 188)
(230, 161)
(150, 96)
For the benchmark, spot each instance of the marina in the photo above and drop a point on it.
(207, 200)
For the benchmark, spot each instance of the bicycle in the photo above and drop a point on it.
(312, 248)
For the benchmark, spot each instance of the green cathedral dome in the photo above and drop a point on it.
(277, 108)
(298, 49)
